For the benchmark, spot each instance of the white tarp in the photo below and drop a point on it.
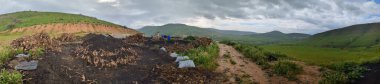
(186, 64)
(22, 55)
(32, 65)
(181, 58)
(173, 54)
(163, 49)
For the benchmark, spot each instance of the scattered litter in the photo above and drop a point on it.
(163, 49)
(181, 58)
(22, 55)
(186, 64)
(32, 65)
(173, 54)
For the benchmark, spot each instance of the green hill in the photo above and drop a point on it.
(238, 36)
(362, 35)
(30, 18)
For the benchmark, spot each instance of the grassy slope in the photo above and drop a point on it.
(364, 35)
(324, 56)
(30, 18)
(358, 43)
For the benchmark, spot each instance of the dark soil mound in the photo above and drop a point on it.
(105, 51)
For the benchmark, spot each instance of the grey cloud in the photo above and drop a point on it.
(321, 13)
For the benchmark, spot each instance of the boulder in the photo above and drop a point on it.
(24, 65)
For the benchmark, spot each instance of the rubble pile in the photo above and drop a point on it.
(137, 38)
(105, 51)
(67, 37)
(177, 47)
(202, 41)
(40, 40)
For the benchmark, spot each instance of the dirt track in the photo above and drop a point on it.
(243, 68)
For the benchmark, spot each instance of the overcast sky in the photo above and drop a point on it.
(300, 16)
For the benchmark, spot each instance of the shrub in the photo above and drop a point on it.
(350, 69)
(7, 53)
(7, 77)
(287, 69)
(333, 77)
(189, 38)
(35, 53)
(204, 56)
(227, 42)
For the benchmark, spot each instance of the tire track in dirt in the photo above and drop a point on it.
(242, 67)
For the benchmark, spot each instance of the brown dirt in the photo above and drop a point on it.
(74, 28)
(242, 68)
(40, 40)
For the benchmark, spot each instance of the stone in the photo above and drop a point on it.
(24, 65)
(186, 64)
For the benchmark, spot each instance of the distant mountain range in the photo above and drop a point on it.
(239, 36)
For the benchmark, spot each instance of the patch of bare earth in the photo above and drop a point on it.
(243, 68)
(74, 28)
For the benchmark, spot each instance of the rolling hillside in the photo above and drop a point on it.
(362, 35)
(48, 21)
(239, 36)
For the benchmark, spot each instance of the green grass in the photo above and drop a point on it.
(324, 56)
(287, 69)
(204, 56)
(7, 77)
(30, 18)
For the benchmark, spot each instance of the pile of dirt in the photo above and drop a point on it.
(137, 38)
(179, 47)
(105, 51)
(170, 74)
(40, 40)
(202, 41)
(67, 37)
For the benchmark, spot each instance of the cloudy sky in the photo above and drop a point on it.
(301, 16)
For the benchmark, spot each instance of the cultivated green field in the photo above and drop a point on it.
(325, 56)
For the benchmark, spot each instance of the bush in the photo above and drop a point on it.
(190, 38)
(204, 56)
(35, 53)
(350, 69)
(333, 77)
(287, 69)
(7, 77)
(7, 53)
(227, 42)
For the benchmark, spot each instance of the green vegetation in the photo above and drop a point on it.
(333, 77)
(7, 77)
(6, 53)
(35, 53)
(342, 73)
(30, 18)
(287, 69)
(204, 56)
(324, 56)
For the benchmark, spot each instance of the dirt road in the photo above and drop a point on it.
(237, 68)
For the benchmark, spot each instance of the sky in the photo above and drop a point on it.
(289, 16)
